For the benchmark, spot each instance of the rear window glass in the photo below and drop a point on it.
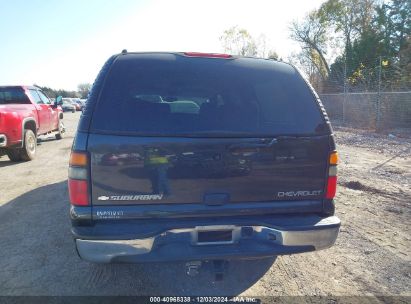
(13, 96)
(175, 95)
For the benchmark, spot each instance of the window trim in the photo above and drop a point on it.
(33, 96)
(47, 98)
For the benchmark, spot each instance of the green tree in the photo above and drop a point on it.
(368, 32)
(273, 55)
(84, 89)
(237, 41)
(348, 17)
(49, 91)
(54, 93)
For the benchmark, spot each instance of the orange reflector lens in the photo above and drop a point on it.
(333, 158)
(78, 159)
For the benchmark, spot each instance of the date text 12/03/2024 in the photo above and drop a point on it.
(205, 299)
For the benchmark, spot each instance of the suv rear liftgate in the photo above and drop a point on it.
(201, 157)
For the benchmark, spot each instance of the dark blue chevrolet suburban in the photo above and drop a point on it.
(195, 156)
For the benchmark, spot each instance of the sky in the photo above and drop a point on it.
(62, 43)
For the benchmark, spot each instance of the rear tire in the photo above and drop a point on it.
(61, 131)
(14, 155)
(30, 145)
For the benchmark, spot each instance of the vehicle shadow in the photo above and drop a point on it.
(38, 258)
(5, 162)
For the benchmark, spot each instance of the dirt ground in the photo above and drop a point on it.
(371, 257)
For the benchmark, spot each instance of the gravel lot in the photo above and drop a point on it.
(371, 257)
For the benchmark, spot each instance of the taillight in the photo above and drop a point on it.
(207, 55)
(332, 176)
(77, 179)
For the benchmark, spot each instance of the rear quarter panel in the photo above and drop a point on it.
(12, 118)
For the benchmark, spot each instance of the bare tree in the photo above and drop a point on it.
(304, 61)
(311, 33)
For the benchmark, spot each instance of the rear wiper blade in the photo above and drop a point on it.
(224, 134)
(260, 144)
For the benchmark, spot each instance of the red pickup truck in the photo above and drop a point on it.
(25, 113)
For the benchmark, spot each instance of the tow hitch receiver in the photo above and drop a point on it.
(219, 268)
(193, 268)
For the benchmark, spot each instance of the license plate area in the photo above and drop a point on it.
(214, 235)
(218, 236)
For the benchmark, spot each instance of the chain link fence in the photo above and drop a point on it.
(369, 110)
(374, 96)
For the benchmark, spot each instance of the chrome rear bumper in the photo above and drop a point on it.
(183, 243)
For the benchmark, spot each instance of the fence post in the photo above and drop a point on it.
(378, 104)
(345, 89)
